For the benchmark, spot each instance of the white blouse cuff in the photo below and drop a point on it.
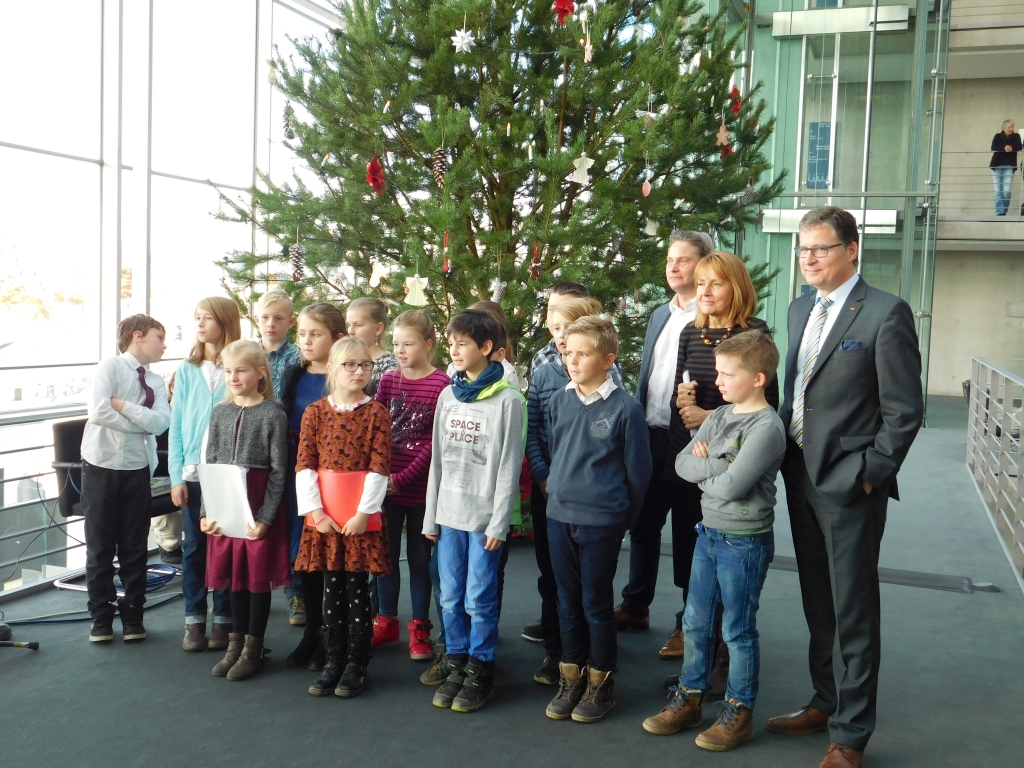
(307, 492)
(375, 488)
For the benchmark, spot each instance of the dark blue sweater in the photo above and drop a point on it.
(547, 382)
(600, 459)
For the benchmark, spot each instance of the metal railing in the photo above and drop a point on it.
(966, 190)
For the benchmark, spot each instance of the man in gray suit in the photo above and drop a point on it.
(853, 406)
(656, 392)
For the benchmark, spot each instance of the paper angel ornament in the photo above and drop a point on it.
(415, 296)
(580, 175)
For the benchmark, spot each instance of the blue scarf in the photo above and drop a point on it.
(466, 391)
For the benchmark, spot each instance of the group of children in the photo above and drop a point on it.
(440, 455)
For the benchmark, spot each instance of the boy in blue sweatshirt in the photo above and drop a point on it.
(734, 458)
(479, 430)
(600, 466)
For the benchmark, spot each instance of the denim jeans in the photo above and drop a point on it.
(730, 569)
(469, 593)
(1002, 183)
(584, 558)
(417, 550)
(193, 567)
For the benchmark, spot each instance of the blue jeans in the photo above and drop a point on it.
(469, 593)
(731, 570)
(584, 558)
(1002, 182)
(417, 550)
(193, 567)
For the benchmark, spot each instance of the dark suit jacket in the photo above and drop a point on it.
(659, 319)
(863, 405)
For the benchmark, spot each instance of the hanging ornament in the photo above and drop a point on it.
(638, 8)
(439, 166)
(463, 39)
(645, 188)
(749, 195)
(529, 151)
(616, 243)
(498, 287)
(686, 49)
(737, 101)
(622, 304)
(580, 175)
(647, 116)
(415, 297)
(326, 158)
(651, 228)
(722, 139)
(563, 9)
(636, 296)
(446, 264)
(535, 263)
(289, 117)
(375, 175)
(378, 272)
(726, 151)
(298, 256)
(588, 48)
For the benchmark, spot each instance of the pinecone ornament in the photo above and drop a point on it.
(439, 166)
(298, 256)
(638, 7)
(749, 195)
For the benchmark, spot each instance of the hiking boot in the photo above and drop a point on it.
(674, 647)
(385, 632)
(251, 660)
(235, 642)
(452, 685)
(195, 638)
(683, 711)
(548, 672)
(598, 699)
(438, 671)
(477, 688)
(335, 641)
(355, 678)
(625, 620)
(572, 682)
(420, 647)
(102, 631)
(219, 637)
(305, 650)
(734, 726)
(534, 633)
(297, 612)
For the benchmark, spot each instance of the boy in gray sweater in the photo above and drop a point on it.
(734, 458)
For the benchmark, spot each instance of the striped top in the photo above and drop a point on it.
(411, 403)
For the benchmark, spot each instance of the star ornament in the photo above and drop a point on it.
(463, 41)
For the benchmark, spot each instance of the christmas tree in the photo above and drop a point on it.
(493, 147)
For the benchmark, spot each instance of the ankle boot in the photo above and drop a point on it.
(235, 642)
(305, 650)
(598, 699)
(477, 688)
(356, 679)
(335, 641)
(735, 726)
(251, 659)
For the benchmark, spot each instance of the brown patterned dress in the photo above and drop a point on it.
(345, 441)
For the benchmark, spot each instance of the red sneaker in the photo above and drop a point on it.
(385, 632)
(420, 646)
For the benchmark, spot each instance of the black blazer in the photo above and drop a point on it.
(864, 403)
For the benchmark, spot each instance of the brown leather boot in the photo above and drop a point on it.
(219, 637)
(674, 646)
(684, 710)
(734, 726)
(842, 756)
(803, 723)
(235, 642)
(195, 638)
(250, 661)
(625, 620)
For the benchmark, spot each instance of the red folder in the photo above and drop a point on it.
(340, 493)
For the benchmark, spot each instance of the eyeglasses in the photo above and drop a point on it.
(352, 366)
(819, 251)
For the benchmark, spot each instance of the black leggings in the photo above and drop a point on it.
(250, 612)
(347, 599)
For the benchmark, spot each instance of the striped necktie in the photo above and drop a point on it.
(810, 356)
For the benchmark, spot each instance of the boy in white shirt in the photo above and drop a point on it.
(128, 403)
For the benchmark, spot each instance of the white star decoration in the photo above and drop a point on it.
(463, 41)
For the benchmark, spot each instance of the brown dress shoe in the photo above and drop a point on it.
(219, 637)
(674, 646)
(734, 726)
(195, 637)
(803, 723)
(842, 756)
(625, 620)
(683, 711)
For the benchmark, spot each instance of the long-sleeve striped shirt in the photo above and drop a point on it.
(411, 403)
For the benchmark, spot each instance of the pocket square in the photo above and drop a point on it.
(850, 344)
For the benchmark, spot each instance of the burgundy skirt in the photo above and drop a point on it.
(253, 566)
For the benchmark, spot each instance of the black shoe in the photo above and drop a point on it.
(304, 651)
(132, 630)
(335, 639)
(171, 556)
(534, 633)
(102, 631)
(450, 688)
(548, 673)
(477, 688)
(354, 680)
(319, 659)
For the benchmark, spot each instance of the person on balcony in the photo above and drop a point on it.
(1005, 146)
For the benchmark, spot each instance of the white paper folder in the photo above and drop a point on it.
(225, 498)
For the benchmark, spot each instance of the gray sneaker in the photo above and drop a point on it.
(572, 682)
(438, 671)
(452, 686)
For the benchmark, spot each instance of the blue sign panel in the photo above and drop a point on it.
(819, 147)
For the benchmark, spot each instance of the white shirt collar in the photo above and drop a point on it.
(840, 294)
(343, 407)
(132, 361)
(601, 393)
(690, 306)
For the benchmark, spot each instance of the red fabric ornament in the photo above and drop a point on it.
(563, 9)
(737, 102)
(535, 264)
(726, 151)
(446, 265)
(375, 175)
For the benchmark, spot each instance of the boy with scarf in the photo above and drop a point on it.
(471, 491)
